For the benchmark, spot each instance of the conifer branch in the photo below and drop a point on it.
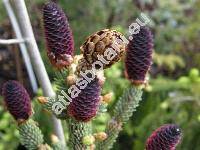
(77, 131)
(30, 135)
(122, 112)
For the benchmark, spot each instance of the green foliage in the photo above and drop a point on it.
(112, 130)
(58, 146)
(127, 104)
(59, 85)
(176, 102)
(123, 110)
(115, 82)
(30, 135)
(2, 11)
(60, 80)
(77, 131)
(8, 133)
(170, 61)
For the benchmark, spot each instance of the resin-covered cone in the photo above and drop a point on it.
(17, 100)
(106, 46)
(84, 107)
(59, 39)
(166, 137)
(139, 56)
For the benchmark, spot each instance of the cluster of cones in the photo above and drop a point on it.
(60, 50)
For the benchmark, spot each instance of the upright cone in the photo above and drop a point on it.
(166, 137)
(84, 107)
(139, 56)
(17, 100)
(59, 39)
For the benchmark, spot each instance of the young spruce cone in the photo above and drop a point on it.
(17, 100)
(84, 107)
(58, 34)
(139, 56)
(100, 45)
(166, 137)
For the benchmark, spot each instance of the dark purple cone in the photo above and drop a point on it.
(59, 36)
(84, 107)
(166, 137)
(139, 56)
(17, 100)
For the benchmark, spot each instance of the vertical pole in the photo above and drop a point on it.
(36, 59)
(22, 45)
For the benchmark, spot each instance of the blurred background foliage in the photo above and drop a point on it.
(172, 95)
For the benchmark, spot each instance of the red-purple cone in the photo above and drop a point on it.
(84, 107)
(59, 38)
(166, 137)
(139, 56)
(17, 100)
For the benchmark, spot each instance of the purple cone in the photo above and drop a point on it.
(84, 107)
(17, 100)
(139, 56)
(166, 137)
(59, 38)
